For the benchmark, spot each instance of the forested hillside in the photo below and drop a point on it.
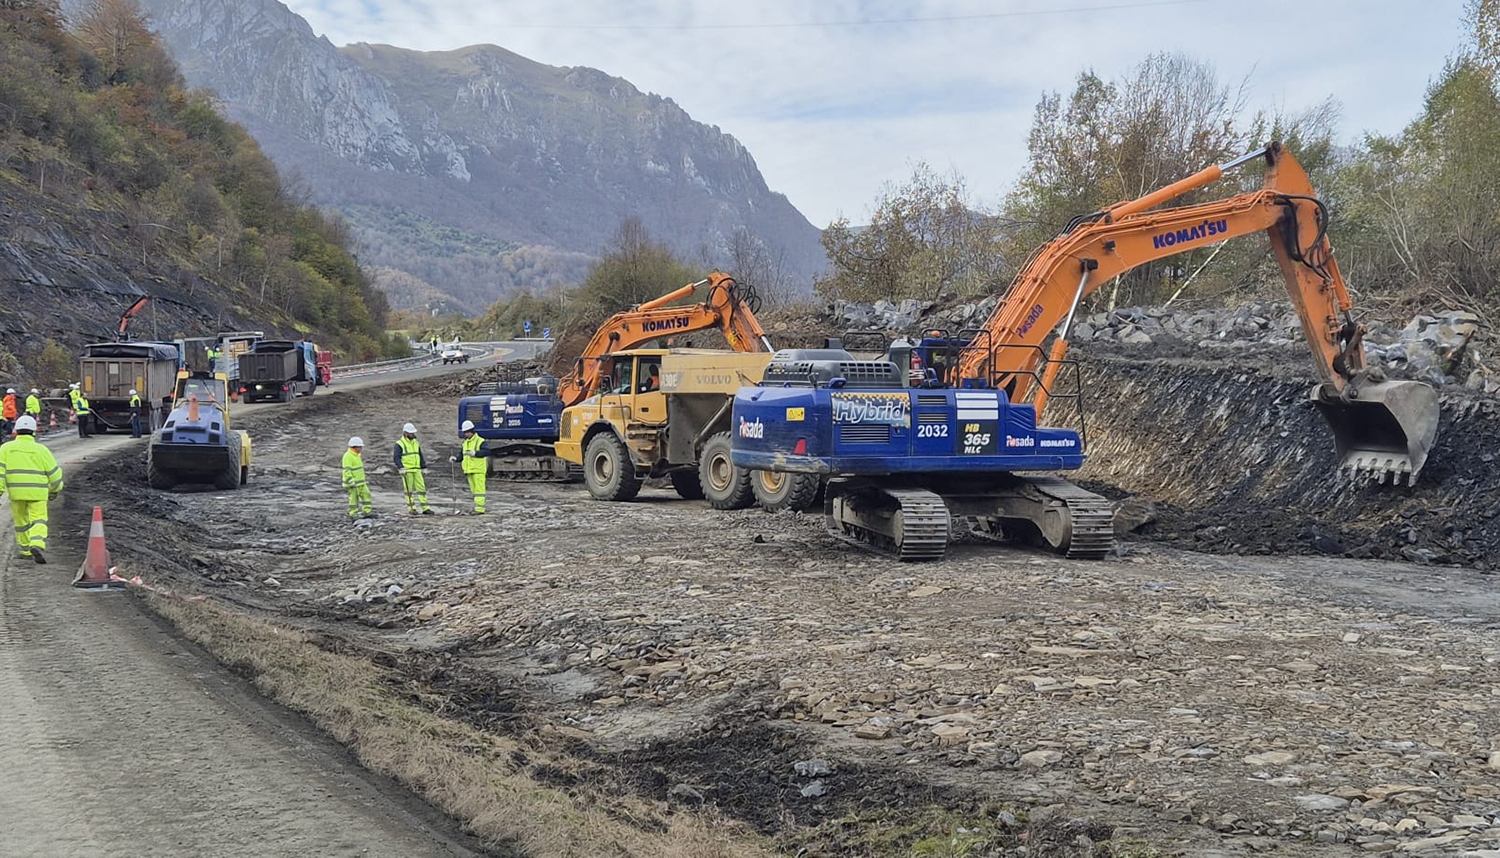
(116, 181)
(1413, 215)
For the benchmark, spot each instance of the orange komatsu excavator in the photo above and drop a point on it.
(519, 421)
(1382, 429)
(728, 307)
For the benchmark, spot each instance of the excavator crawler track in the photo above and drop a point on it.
(908, 524)
(1056, 514)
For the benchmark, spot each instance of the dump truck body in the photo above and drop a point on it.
(278, 370)
(109, 371)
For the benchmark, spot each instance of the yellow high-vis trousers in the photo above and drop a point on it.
(31, 524)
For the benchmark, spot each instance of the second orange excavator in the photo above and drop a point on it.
(519, 420)
(1383, 430)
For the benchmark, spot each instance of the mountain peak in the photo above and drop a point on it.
(449, 163)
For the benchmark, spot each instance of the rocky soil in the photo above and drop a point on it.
(1159, 702)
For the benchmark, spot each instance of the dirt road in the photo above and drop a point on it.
(1162, 701)
(122, 740)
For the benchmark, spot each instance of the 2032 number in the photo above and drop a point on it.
(932, 430)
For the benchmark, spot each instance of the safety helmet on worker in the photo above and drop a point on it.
(132, 392)
(409, 429)
(9, 391)
(34, 391)
(25, 424)
(73, 386)
(356, 441)
(467, 427)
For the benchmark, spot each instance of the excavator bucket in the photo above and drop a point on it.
(1384, 431)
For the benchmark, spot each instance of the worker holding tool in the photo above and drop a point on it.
(476, 464)
(360, 503)
(411, 461)
(32, 477)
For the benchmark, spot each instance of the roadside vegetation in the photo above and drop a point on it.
(98, 118)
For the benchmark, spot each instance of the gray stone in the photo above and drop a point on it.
(1320, 802)
(1040, 759)
(812, 768)
(814, 789)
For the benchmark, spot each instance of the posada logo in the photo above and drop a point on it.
(752, 428)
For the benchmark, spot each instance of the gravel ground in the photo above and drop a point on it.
(1192, 703)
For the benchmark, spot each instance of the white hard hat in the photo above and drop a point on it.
(132, 391)
(34, 390)
(468, 426)
(10, 390)
(26, 424)
(356, 441)
(409, 428)
(73, 386)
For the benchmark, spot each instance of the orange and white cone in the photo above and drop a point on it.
(94, 574)
(53, 427)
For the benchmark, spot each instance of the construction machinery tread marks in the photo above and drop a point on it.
(908, 524)
(724, 485)
(781, 490)
(608, 470)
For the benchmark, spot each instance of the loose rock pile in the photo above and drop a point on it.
(1438, 349)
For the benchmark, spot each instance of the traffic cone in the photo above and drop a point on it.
(53, 427)
(94, 573)
(72, 417)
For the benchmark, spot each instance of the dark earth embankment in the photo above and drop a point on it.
(1238, 460)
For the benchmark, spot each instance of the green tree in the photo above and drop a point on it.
(635, 268)
(925, 240)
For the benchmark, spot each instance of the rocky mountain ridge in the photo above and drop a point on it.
(477, 170)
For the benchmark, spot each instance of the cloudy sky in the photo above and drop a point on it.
(835, 99)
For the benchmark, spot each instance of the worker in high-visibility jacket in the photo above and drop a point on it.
(9, 411)
(34, 403)
(85, 415)
(360, 503)
(73, 394)
(410, 461)
(476, 464)
(31, 477)
(135, 414)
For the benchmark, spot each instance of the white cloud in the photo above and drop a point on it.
(831, 114)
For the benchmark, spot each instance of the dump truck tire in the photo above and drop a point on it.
(687, 485)
(155, 478)
(229, 478)
(607, 469)
(777, 491)
(724, 485)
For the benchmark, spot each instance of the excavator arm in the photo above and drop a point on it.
(129, 314)
(1381, 428)
(725, 308)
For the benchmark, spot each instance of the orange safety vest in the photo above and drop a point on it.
(9, 410)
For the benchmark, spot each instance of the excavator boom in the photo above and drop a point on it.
(1382, 429)
(726, 308)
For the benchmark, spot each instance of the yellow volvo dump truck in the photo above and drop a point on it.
(662, 413)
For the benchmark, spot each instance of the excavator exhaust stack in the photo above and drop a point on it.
(1383, 431)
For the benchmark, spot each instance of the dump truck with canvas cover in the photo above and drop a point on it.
(196, 444)
(109, 371)
(662, 413)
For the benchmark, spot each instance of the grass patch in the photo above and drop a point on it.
(477, 777)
